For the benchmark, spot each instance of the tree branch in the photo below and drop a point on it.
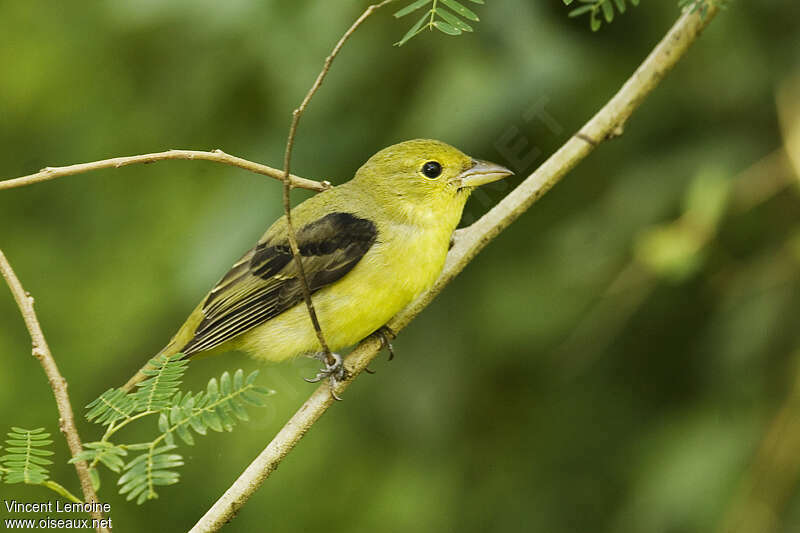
(217, 156)
(41, 351)
(287, 183)
(607, 123)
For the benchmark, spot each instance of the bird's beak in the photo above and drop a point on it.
(480, 173)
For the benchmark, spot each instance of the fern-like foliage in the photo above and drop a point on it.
(149, 470)
(599, 10)
(605, 10)
(181, 414)
(103, 452)
(111, 406)
(25, 459)
(164, 377)
(444, 15)
(217, 408)
(152, 395)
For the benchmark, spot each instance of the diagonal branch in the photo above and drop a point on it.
(217, 156)
(287, 183)
(57, 382)
(606, 124)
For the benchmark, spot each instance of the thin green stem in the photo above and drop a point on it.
(433, 14)
(112, 428)
(60, 489)
(28, 453)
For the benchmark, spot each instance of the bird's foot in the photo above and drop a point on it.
(386, 335)
(334, 370)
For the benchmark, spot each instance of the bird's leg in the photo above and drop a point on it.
(334, 370)
(386, 335)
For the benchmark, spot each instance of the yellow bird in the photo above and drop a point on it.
(368, 247)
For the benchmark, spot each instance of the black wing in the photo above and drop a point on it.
(265, 282)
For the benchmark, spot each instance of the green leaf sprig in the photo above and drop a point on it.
(447, 16)
(218, 408)
(26, 460)
(599, 10)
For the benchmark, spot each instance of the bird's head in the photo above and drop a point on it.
(424, 176)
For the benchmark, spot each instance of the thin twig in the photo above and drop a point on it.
(217, 156)
(41, 351)
(468, 242)
(287, 183)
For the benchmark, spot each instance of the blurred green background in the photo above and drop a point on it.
(621, 359)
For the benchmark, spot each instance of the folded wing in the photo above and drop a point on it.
(265, 282)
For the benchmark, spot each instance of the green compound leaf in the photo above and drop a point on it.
(103, 452)
(164, 377)
(112, 405)
(436, 16)
(599, 10)
(147, 471)
(25, 458)
(180, 417)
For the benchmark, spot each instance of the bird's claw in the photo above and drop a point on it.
(386, 334)
(334, 371)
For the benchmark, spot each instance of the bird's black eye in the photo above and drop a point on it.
(432, 169)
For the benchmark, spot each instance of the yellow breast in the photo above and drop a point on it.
(404, 261)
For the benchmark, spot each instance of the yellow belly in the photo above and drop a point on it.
(404, 262)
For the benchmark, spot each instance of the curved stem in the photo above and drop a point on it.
(60, 489)
(41, 351)
(433, 14)
(216, 156)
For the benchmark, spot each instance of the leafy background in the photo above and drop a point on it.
(529, 396)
